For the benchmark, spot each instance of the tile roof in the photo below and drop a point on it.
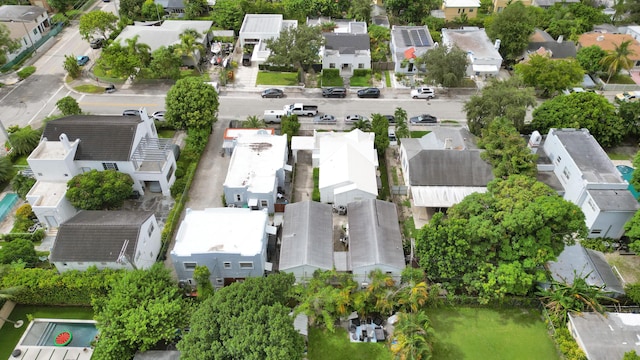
(96, 235)
(608, 42)
(102, 138)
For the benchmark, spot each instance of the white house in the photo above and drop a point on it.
(605, 336)
(484, 58)
(26, 24)
(348, 163)
(76, 144)
(346, 52)
(107, 240)
(231, 242)
(256, 170)
(374, 239)
(257, 28)
(590, 180)
(408, 43)
(231, 134)
(307, 239)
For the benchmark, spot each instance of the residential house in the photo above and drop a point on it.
(348, 163)
(374, 239)
(545, 4)
(588, 179)
(257, 28)
(168, 34)
(171, 7)
(443, 167)
(230, 242)
(26, 24)
(484, 60)
(307, 239)
(407, 44)
(454, 9)
(608, 42)
(499, 5)
(347, 50)
(256, 171)
(231, 134)
(79, 143)
(575, 261)
(107, 240)
(542, 43)
(605, 336)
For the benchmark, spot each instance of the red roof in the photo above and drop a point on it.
(410, 53)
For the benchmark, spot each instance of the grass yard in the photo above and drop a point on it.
(90, 89)
(324, 345)
(362, 81)
(277, 78)
(9, 336)
(419, 134)
(329, 81)
(166, 133)
(627, 265)
(480, 333)
(387, 79)
(621, 79)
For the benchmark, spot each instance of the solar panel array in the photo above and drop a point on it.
(417, 37)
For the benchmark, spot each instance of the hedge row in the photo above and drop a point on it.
(35, 236)
(362, 72)
(277, 68)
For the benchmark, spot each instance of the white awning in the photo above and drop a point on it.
(486, 69)
(442, 196)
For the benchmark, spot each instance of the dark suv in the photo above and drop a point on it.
(96, 43)
(334, 92)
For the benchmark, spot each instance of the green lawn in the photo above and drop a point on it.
(617, 156)
(621, 79)
(166, 133)
(418, 134)
(91, 89)
(362, 81)
(479, 333)
(331, 81)
(9, 336)
(387, 78)
(277, 78)
(324, 345)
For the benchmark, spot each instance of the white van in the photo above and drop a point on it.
(393, 141)
(274, 116)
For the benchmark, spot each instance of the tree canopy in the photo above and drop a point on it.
(581, 110)
(296, 46)
(550, 76)
(445, 66)
(513, 26)
(68, 106)
(18, 250)
(99, 190)
(495, 243)
(24, 140)
(97, 22)
(506, 150)
(192, 104)
(590, 58)
(499, 98)
(619, 58)
(7, 44)
(261, 329)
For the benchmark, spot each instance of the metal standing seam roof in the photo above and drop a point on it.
(307, 236)
(102, 138)
(449, 168)
(262, 23)
(374, 234)
(95, 235)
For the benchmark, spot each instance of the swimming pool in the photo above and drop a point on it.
(626, 173)
(6, 204)
(42, 332)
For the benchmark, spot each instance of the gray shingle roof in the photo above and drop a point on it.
(93, 235)
(307, 236)
(347, 43)
(563, 50)
(449, 168)
(102, 138)
(20, 12)
(374, 234)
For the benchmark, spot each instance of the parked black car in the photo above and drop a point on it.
(424, 119)
(334, 92)
(369, 93)
(390, 118)
(272, 93)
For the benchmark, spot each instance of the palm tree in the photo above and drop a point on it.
(7, 294)
(618, 58)
(189, 45)
(362, 124)
(140, 51)
(253, 122)
(402, 129)
(413, 333)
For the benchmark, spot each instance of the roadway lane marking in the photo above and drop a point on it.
(116, 104)
(45, 104)
(55, 107)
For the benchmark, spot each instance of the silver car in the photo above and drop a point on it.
(352, 119)
(324, 119)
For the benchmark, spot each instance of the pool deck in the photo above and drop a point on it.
(50, 352)
(622, 162)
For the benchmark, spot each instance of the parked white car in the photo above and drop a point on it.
(352, 119)
(423, 92)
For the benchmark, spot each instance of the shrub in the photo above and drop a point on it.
(25, 211)
(178, 187)
(604, 245)
(99, 190)
(568, 345)
(20, 249)
(36, 236)
(26, 72)
(22, 184)
(315, 196)
(362, 72)
(331, 73)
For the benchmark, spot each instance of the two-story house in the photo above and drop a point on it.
(346, 51)
(589, 179)
(107, 240)
(80, 143)
(256, 29)
(230, 242)
(484, 60)
(460, 8)
(407, 44)
(256, 171)
(26, 24)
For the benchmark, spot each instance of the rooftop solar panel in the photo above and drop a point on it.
(424, 37)
(405, 37)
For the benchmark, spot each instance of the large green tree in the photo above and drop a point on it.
(6, 168)
(152, 11)
(195, 8)
(118, 62)
(165, 64)
(499, 98)
(190, 45)
(414, 336)
(513, 26)
(131, 9)
(7, 44)
(495, 243)
(18, 250)
(228, 14)
(289, 125)
(408, 11)
(142, 309)
(629, 112)
(99, 190)
(97, 22)
(380, 127)
(632, 227)
(360, 10)
(590, 58)
(506, 150)
(402, 129)
(618, 59)
(247, 320)
(62, 5)
(68, 106)
(70, 64)
(380, 37)
(445, 66)
(581, 110)
(550, 76)
(571, 20)
(192, 104)
(296, 46)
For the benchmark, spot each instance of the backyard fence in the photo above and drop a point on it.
(383, 65)
(399, 189)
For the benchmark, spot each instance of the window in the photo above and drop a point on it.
(459, 11)
(219, 281)
(566, 173)
(25, 42)
(246, 264)
(264, 203)
(360, 66)
(470, 10)
(35, 31)
(238, 198)
(151, 229)
(85, 169)
(170, 173)
(110, 166)
(80, 263)
(190, 265)
(332, 66)
(592, 205)
(558, 159)
(227, 264)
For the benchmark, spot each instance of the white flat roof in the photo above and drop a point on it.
(221, 230)
(462, 3)
(50, 193)
(255, 160)
(48, 150)
(262, 23)
(232, 133)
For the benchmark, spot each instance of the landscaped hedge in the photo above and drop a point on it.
(330, 73)
(315, 196)
(47, 287)
(276, 68)
(362, 72)
(36, 236)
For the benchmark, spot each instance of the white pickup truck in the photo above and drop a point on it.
(301, 109)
